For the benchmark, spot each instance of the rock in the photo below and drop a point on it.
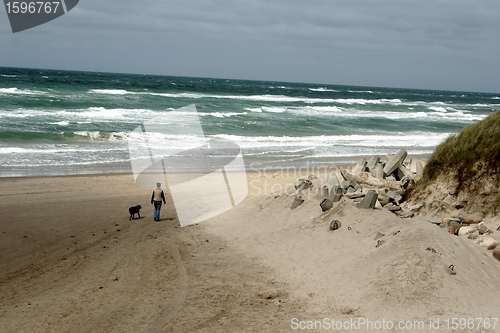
(353, 180)
(379, 235)
(431, 250)
(483, 229)
(391, 179)
(395, 197)
(332, 180)
(322, 193)
(405, 182)
(473, 236)
(378, 170)
(372, 162)
(459, 219)
(417, 166)
(392, 207)
(299, 182)
(420, 168)
(359, 167)
(383, 198)
(326, 204)
(312, 177)
(334, 225)
(407, 214)
(395, 161)
(488, 242)
(297, 202)
(474, 218)
(466, 230)
(403, 172)
(443, 225)
(454, 228)
(449, 220)
(335, 194)
(369, 200)
(363, 176)
(450, 270)
(496, 253)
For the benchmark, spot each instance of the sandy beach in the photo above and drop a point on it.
(72, 261)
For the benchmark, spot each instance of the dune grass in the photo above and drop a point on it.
(475, 148)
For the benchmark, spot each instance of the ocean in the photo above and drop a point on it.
(66, 122)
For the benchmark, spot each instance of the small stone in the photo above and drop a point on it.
(474, 218)
(334, 225)
(488, 242)
(454, 228)
(408, 214)
(496, 253)
(473, 236)
(483, 229)
(297, 202)
(431, 250)
(450, 269)
(466, 230)
(379, 235)
(392, 207)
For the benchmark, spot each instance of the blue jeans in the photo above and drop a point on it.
(157, 205)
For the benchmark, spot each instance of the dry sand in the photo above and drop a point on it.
(71, 261)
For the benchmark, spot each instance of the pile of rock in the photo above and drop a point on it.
(372, 183)
(473, 228)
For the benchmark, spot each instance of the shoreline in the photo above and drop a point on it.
(117, 169)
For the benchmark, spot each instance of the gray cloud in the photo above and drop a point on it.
(443, 44)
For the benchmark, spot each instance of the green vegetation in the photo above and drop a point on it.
(476, 149)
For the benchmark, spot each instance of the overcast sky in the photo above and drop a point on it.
(439, 44)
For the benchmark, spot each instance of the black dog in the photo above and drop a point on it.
(133, 211)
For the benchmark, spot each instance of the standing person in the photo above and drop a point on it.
(156, 200)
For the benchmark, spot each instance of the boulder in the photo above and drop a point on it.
(369, 200)
(383, 198)
(363, 176)
(359, 167)
(353, 180)
(378, 171)
(488, 242)
(372, 163)
(474, 218)
(335, 194)
(395, 161)
(332, 179)
(322, 193)
(403, 172)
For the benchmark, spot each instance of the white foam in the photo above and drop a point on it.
(61, 123)
(15, 91)
(437, 108)
(110, 91)
(254, 109)
(322, 89)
